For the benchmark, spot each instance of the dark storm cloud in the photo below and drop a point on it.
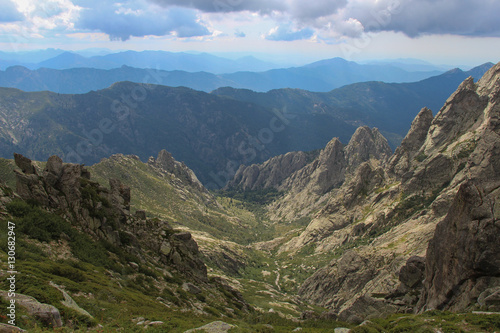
(411, 17)
(137, 18)
(9, 12)
(424, 17)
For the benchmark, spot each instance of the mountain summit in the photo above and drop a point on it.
(411, 231)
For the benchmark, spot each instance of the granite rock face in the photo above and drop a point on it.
(104, 213)
(310, 187)
(444, 174)
(463, 257)
(403, 158)
(269, 174)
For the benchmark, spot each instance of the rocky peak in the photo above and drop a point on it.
(269, 174)
(460, 114)
(490, 82)
(418, 130)
(322, 174)
(366, 143)
(402, 159)
(165, 162)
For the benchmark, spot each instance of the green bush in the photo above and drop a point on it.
(18, 208)
(211, 311)
(67, 272)
(36, 222)
(76, 320)
(485, 322)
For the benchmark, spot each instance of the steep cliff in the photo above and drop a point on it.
(388, 210)
(309, 187)
(463, 258)
(269, 174)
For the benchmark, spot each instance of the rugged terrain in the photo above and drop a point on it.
(376, 214)
(211, 133)
(315, 240)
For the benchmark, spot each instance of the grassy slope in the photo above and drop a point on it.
(115, 298)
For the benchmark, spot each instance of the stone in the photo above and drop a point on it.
(366, 307)
(140, 214)
(5, 328)
(329, 315)
(46, 313)
(191, 288)
(338, 281)
(25, 164)
(156, 323)
(306, 315)
(413, 272)
(341, 330)
(70, 302)
(213, 327)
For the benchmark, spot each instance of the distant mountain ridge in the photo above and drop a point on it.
(163, 60)
(197, 71)
(212, 133)
(389, 106)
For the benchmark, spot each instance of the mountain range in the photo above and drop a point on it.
(212, 133)
(72, 73)
(350, 237)
(163, 60)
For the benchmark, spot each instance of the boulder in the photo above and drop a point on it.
(213, 327)
(46, 313)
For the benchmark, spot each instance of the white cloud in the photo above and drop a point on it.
(285, 32)
(126, 19)
(9, 12)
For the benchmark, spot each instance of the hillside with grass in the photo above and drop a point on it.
(350, 238)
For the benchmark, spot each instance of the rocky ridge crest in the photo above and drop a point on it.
(105, 214)
(388, 207)
(309, 186)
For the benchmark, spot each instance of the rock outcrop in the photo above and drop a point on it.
(309, 187)
(366, 144)
(269, 174)
(105, 213)
(444, 173)
(463, 258)
(46, 313)
(404, 156)
(166, 162)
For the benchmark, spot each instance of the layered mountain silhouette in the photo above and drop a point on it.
(202, 72)
(212, 133)
(351, 232)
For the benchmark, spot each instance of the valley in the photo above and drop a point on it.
(352, 234)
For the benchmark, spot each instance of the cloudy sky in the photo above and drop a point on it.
(441, 31)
